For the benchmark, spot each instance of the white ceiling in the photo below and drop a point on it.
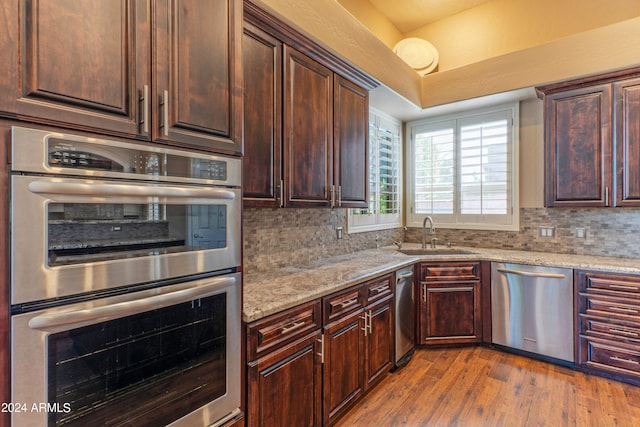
(409, 15)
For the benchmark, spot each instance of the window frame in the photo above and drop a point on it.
(358, 223)
(457, 220)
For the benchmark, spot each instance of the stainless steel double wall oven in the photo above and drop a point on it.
(125, 283)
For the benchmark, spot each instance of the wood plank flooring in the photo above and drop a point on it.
(479, 386)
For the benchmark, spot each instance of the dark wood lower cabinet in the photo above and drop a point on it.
(379, 341)
(285, 386)
(304, 371)
(343, 367)
(608, 323)
(358, 343)
(284, 372)
(450, 305)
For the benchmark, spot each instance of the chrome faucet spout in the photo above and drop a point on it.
(432, 231)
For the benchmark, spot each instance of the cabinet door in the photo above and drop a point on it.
(351, 139)
(308, 131)
(284, 387)
(578, 147)
(262, 118)
(627, 121)
(197, 96)
(79, 63)
(450, 313)
(343, 364)
(379, 341)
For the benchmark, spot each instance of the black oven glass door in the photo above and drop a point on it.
(149, 368)
(80, 233)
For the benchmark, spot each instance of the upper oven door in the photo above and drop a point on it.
(71, 236)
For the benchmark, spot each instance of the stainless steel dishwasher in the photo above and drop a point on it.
(532, 309)
(405, 316)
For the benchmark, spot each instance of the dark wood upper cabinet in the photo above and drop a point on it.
(305, 120)
(262, 118)
(197, 67)
(164, 70)
(78, 62)
(626, 99)
(578, 151)
(592, 141)
(308, 131)
(351, 140)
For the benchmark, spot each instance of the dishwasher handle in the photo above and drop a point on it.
(532, 273)
(404, 276)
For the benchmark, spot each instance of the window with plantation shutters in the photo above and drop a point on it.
(385, 202)
(464, 169)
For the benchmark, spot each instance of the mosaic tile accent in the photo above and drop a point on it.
(275, 238)
(609, 232)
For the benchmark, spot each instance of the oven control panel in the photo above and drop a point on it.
(81, 159)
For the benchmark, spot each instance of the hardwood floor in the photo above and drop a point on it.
(479, 386)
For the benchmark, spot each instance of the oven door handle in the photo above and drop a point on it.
(130, 189)
(78, 318)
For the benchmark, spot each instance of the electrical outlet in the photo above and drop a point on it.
(547, 231)
(581, 233)
(339, 233)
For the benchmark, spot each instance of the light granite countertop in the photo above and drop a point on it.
(269, 293)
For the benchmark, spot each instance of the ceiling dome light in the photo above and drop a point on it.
(421, 55)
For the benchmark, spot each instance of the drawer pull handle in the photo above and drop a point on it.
(626, 288)
(623, 332)
(292, 327)
(622, 310)
(380, 288)
(619, 359)
(348, 303)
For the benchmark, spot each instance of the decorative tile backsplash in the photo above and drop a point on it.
(275, 238)
(609, 232)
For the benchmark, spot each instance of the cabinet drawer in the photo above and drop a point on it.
(344, 302)
(624, 286)
(617, 308)
(453, 271)
(379, 289)
(607, 329)
(274, 331)
(608, 356)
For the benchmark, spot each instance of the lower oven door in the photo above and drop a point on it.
(165, 356)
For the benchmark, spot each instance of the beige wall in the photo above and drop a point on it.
(603, 49)
(503, 26)
(531, 154)
(331, 25)
(597, 50)
(375, 21)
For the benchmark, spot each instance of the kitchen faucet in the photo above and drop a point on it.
(432, 232)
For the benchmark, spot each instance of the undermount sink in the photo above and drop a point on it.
(437, 251)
